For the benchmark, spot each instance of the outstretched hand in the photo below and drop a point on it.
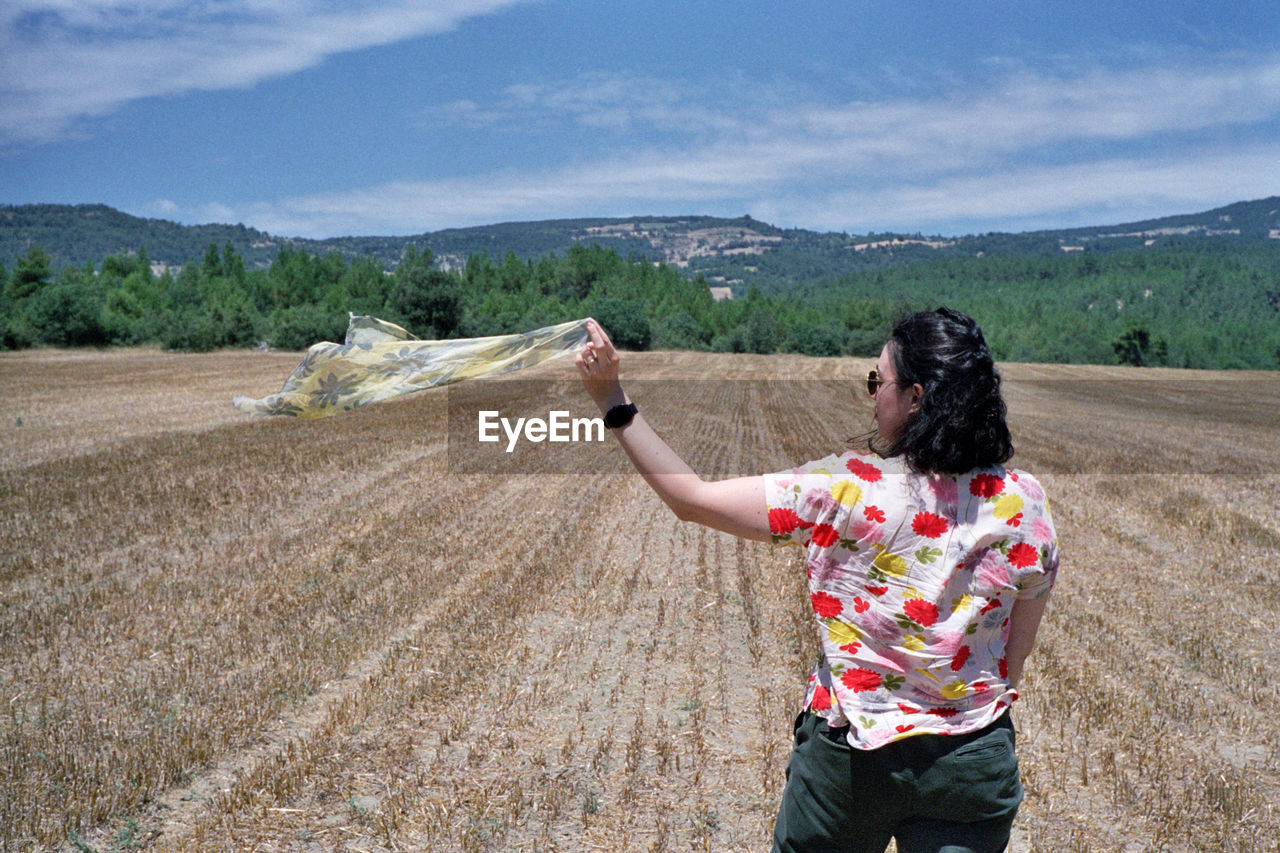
(598, 363)
(735, 506)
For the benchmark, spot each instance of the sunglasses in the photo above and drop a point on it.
(874, 382)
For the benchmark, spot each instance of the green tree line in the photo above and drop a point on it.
(1192, 306)
(304, 298)
(1197, 305)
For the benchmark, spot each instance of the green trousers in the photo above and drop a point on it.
(932, 793)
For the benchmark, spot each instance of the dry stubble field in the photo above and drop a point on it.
(220, 632)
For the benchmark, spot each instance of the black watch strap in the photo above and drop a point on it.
(620, 415)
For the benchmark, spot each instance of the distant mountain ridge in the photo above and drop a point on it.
(732, 252)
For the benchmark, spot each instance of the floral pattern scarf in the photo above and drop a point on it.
(380, 360)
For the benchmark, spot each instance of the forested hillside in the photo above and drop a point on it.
(736, 253)
(1203, 304)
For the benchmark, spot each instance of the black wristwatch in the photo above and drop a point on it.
(620, 415)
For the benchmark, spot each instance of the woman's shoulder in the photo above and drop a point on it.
(865, 470)
(869, 468)
(998, 480)
(1007, 503)
(1026, 483)
(844, 462)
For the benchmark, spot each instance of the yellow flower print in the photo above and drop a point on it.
(913, 642)
(891, 564)
(927, 673)
(846, 492)
(825, 471)
(842, 633)
(1007, 507)
(964, 602)
(955, 690)
(910, 593)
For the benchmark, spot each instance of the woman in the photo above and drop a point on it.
(929, 568)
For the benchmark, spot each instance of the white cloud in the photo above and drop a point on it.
(615, 101)
(1029, 115)
(62, 60)
(1133, 144)
(1026, 110)
(216, 212)
(1100, 192)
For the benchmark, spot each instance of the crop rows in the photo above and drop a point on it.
(221, 632)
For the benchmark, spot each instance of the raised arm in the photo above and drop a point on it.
(735, 506)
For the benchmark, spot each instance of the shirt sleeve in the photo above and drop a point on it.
(1038, 578)
(787, 494)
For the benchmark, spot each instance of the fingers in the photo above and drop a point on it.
(588, 361)
(597, 363)
(599, 337)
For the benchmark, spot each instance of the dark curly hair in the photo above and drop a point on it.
(960, 424)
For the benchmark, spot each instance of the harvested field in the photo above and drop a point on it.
(220, 632)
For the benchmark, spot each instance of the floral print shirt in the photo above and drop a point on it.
(912, 578)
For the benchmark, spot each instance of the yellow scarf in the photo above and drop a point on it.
(380, 360)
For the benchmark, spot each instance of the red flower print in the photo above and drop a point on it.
(783, 521)
(929, 525)
(859, 679)
(1004, 668)
(1023, 555)
(873, 513)
(825, 535)
(907, 709)
(821, 699)
(986, 485)
(943, 712)
(989, 606)
(957, 662)
(864, 471)
(1015, 521)
(860, 606)
(826, 605)
(921, 612)
(877, 590)
(979, 687)
(904, 728)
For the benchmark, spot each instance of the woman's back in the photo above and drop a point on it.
(912, 577)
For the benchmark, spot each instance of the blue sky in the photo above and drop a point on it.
(314, 118)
